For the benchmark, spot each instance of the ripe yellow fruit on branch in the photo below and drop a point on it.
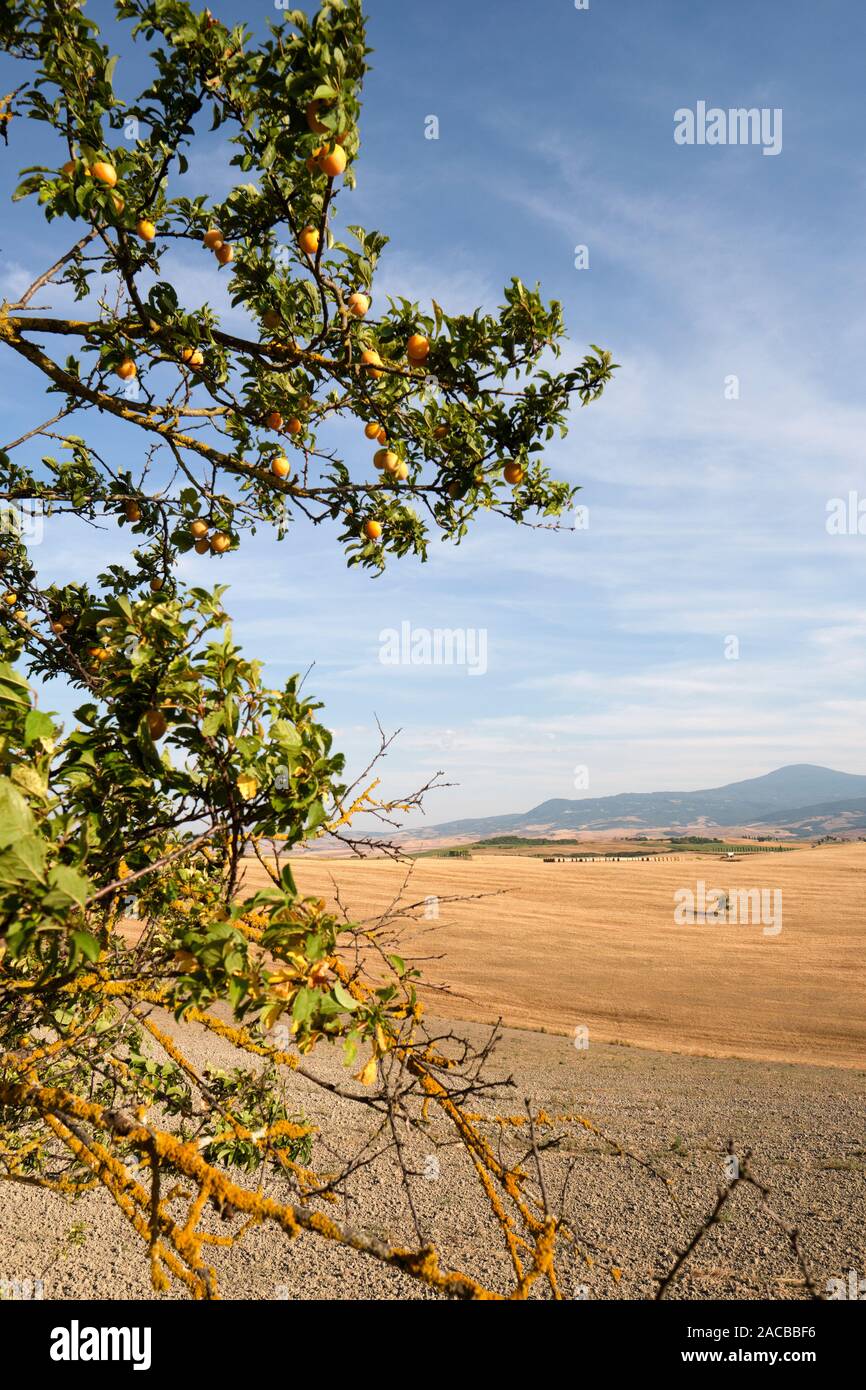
(358, 304)
(372, 361)
(156, 723)
(513, 473)
(127, 369)
(294, 426)
(220, 542)
(332, 161)
(198, 528)
(225, 253)
(132, 511)
(143, 228)
(309, 241)
(104, 172)
(372, 530)
(386, 459)
(372, 430)
(280, 466)
(274, 420)
(10, 597)
(202, 547)
(213, 239)
(417, 348)
(193, 357)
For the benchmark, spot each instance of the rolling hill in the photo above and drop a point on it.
(802, 799)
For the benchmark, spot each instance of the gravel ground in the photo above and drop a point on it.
(804, 1126)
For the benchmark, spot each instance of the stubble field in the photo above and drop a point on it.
(554, 947)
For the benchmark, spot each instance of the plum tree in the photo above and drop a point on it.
(181, 759)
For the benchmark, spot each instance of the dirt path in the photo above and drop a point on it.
(804, 1125)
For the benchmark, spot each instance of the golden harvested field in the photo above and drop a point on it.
(563, 945)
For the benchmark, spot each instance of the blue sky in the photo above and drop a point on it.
(606, 646)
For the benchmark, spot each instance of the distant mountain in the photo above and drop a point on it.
(791, 795)
(848, 814)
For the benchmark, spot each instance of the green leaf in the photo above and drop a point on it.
(23, 862)
(342, 996)
(213, 722)
(28, 779)
(285, 735)
(16, 818)
(70, 884)
(305, 1005)
(26, 187)
(14, 690)
(317, 816)
(86, 944)
(37, 725)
